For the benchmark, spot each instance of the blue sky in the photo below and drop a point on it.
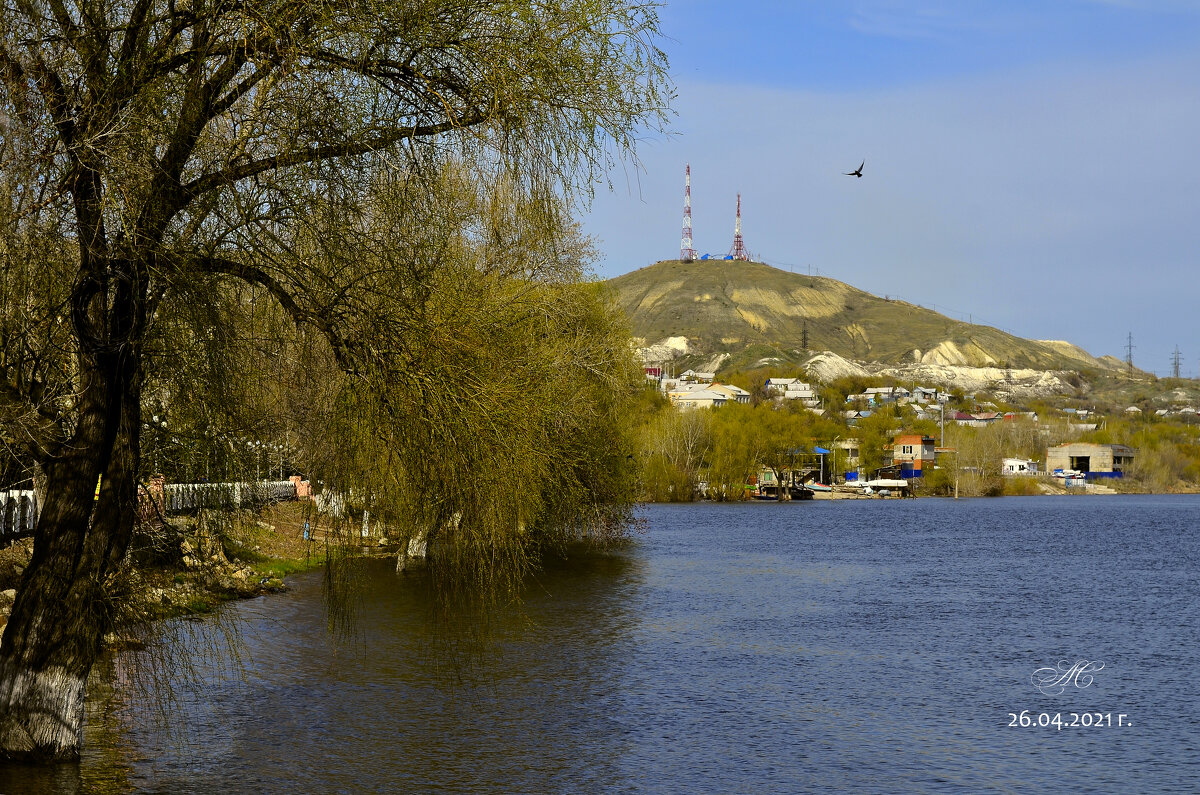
(1030, 165)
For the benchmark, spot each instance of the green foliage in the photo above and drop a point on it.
(198, 606)
(726, 447)
(212, 210)
(875, 433)
(486, 407)
(674, 448)
(939, 481)
(837, 391)
(754, 379)
(1167, 453)
(1021, 487)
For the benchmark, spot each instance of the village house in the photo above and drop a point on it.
(980, 419)
(878, 395)
(703, 395)
(792, 389)
(1094, 460)
(698, 399)
(913, 453)
(735, 393)
(895, 393)
(673, 386)
(689, 380)
(922, 394)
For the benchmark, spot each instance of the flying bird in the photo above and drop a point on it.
(856, 172)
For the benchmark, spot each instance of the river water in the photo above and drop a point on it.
(863, 646)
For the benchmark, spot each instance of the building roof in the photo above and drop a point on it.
(700, 395)
(729, 389)
(686, 387)
(1120, 449)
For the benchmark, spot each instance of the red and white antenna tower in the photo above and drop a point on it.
(686, 252)
(738, 251)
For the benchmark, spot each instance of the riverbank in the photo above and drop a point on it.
(190, 564)
(1006, 487)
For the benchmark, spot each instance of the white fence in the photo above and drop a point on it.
(18, 512)
(19, 507)
(179, 497)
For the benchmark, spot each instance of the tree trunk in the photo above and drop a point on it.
(58, 621)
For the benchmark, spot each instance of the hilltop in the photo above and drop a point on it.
(734, 313)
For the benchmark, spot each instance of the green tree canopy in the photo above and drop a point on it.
(156, 154)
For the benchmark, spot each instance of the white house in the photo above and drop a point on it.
(1020, 466)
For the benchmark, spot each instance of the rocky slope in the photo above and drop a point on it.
(1004, 383)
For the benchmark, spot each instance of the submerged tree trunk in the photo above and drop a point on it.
(61, 613)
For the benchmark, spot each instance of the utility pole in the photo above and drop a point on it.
(1175, 357)
(1129, 346)
(942, 423)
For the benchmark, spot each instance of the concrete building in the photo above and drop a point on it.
(1094, 460)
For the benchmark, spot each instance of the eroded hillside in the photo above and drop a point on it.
(730, 310)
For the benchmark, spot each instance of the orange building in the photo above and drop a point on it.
(913, 453)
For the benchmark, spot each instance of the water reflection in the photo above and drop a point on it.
(460, 702)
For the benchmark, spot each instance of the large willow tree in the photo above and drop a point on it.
(488, 411)
(153, 148)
